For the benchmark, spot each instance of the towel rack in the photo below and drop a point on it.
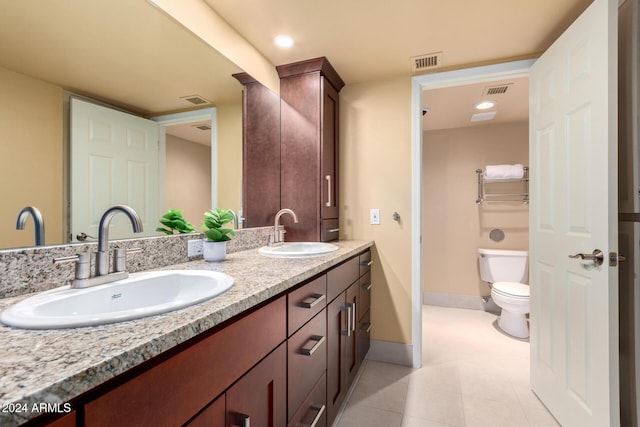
(484, 195)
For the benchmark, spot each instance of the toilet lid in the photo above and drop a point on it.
(512, 289)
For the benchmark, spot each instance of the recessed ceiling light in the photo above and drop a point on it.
(283, 41)
(484, 105)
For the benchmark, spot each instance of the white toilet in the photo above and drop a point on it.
(506, 272)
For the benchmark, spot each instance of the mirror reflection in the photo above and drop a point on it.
(124, 54)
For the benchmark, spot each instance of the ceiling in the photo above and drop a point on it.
(453, 107)
(374, 39)
(131, 54)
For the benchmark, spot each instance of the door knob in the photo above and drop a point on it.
(597, 257)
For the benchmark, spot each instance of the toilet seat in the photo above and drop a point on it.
(511, 289)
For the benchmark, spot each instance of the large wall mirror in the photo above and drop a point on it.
(125, 54)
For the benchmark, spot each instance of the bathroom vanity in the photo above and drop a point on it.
(283, 344)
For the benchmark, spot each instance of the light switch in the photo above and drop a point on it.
(375, 216)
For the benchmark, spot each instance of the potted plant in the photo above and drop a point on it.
(216, 237)
(173, 221)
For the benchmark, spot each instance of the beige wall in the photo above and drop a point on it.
(454, 227)
(230, 156)
(188, 178)
(375, 172)
(31, 160)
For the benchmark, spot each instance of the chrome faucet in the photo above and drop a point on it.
(38, 223)
(235, 218)
(102, 256)
(278, 235)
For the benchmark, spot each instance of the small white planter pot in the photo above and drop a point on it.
(214, 251)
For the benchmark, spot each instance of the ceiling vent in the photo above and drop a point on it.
(497, 90)
(196, 99)
(202, 126)
(426, 62)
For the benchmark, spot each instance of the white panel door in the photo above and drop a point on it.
(114, 161)
(573, 158)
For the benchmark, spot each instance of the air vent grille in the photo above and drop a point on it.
(497, 90)
(426, 62)
(196, 99)
(202, 127)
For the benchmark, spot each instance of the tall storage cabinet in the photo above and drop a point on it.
(260, 152)
(309, 148)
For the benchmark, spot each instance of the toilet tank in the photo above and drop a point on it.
(497, 265)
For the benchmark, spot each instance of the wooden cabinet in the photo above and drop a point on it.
(348, 327)
(260, 152)
(289, 362)
(342, 363)
(173, 391)
(309, 148)
(259, 398)
(307, 353)
(213, 415)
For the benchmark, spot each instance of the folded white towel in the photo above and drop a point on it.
(504, 171)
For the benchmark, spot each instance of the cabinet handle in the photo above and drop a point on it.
(348, 332)
(319, 340)
(320, 410)
(353, 322)
(367, 287)
(333, 230)
(328, 178)
(316, 298)
(243, 420)
(366, 263)
(366, 327)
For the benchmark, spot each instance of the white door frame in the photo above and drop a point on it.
(419, 84)
(205, 114)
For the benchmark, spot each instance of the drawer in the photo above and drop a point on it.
(365, 294)
(171, 392)
(341, 277)
(329, 230)
(307, 361)
(313, 411)
(365, 262)
(305, 302)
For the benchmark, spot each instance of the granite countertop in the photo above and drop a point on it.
(58, 365)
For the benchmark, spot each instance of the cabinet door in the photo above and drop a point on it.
(212, 416)
(329, 152)
(336, 341)
(259, 398)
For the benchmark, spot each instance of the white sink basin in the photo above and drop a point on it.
(140, 295)
(298, 249)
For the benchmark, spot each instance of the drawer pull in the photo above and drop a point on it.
(366, 327)
(366, 263)
(367, 287)
(320, 410)
(315, 299)
(353, 322)
(243, 420)
(319, 340)
(332, 230)
(348, 332)
(328, 178)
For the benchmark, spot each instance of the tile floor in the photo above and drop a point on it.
(472, 376)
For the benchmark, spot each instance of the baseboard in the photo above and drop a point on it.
(471, 302)
(391, 352)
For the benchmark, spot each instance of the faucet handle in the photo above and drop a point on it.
(120, 258)
(83, 264)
